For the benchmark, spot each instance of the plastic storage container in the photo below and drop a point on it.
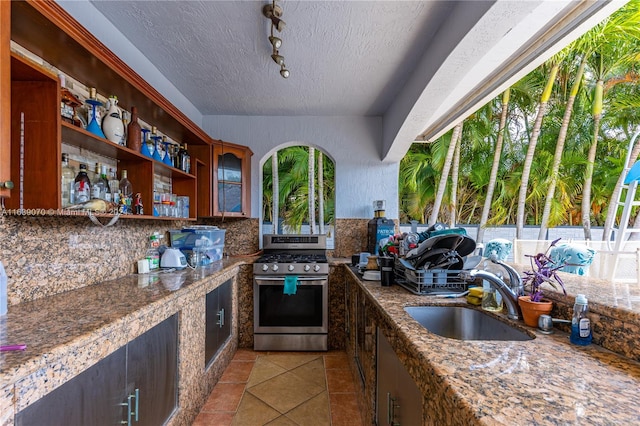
(207, 240)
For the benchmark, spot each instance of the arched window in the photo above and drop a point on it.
(304, 179)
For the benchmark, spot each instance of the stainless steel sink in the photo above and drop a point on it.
(458, 322)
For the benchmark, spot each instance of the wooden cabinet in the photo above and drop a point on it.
(399, 401)
(219, 314)
(138, 380)
(5, 98)
(32, 134)
(231, 180)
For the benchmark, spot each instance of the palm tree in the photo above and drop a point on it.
(311, 193)
(494, 166)
(275, 190)
(457, 130)
(454, 184)
(557, 158)
(526, 168)
(320, 193)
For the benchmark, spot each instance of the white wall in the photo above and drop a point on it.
(351, 142)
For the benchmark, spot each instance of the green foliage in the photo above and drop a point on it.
(612, 51)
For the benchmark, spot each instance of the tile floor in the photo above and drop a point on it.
(283, 389)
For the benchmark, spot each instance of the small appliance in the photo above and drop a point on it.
(173, 258)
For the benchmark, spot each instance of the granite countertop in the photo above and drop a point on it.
(53, 326)
(544, 381)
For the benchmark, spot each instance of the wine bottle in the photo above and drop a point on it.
(68, 179)
(97, 185)
(126, 194)
(82, 186)
(114, 186)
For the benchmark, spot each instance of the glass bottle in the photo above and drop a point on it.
(134, 131)
(82, 186)
(126, 193)
(114, 186)
(153, 255)
(185, 159)
(580, 323)
(491, 298)
(68, 180)
(97, 185)
(105, 183)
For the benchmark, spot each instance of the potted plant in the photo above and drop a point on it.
(543, 270)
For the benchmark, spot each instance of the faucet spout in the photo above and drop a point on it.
(509, 296)
(517, 286)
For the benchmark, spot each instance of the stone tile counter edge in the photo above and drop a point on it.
(545, 381)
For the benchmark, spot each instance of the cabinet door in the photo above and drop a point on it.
(398, 400)
(225, 312)
(152, 365)
(231, 168)
(91, 398)
(218, 319)
(211, 333)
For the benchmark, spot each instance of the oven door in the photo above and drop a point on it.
(300, 313)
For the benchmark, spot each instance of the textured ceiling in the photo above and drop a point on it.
(345, 57)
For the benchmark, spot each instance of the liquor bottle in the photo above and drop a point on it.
(68, 178)
(134, 131)
(82, 186)
(106, 194)
(114, 186)
(185, 159)
(126, 193)
(97, 185)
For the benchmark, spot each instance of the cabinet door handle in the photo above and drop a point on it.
(391, 410)
(128, 405)
(137, 397)
(221, 317)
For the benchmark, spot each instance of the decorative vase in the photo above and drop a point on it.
(532, 310)
(112, 124)
(134, 131)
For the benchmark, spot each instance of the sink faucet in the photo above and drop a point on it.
(514, 277)
(509, 296)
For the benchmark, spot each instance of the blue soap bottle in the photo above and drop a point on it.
(580, 323)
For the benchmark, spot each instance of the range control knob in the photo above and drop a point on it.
(316, 268)
(274, 267)
(265, 267)
(307, 268)
(291, 267)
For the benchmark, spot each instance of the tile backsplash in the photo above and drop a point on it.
(49, 255)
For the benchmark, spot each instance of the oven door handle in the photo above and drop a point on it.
(316, 278)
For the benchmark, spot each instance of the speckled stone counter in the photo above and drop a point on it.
(67, 333)
(544, 381)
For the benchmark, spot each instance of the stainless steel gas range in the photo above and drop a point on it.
(291, 294)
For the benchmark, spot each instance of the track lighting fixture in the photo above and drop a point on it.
(273, 12)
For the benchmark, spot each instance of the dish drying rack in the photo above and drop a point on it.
(429, 281)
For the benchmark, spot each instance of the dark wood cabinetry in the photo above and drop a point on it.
(219, 315)
(138, 380)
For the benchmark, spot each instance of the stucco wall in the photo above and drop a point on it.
(352, 142)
